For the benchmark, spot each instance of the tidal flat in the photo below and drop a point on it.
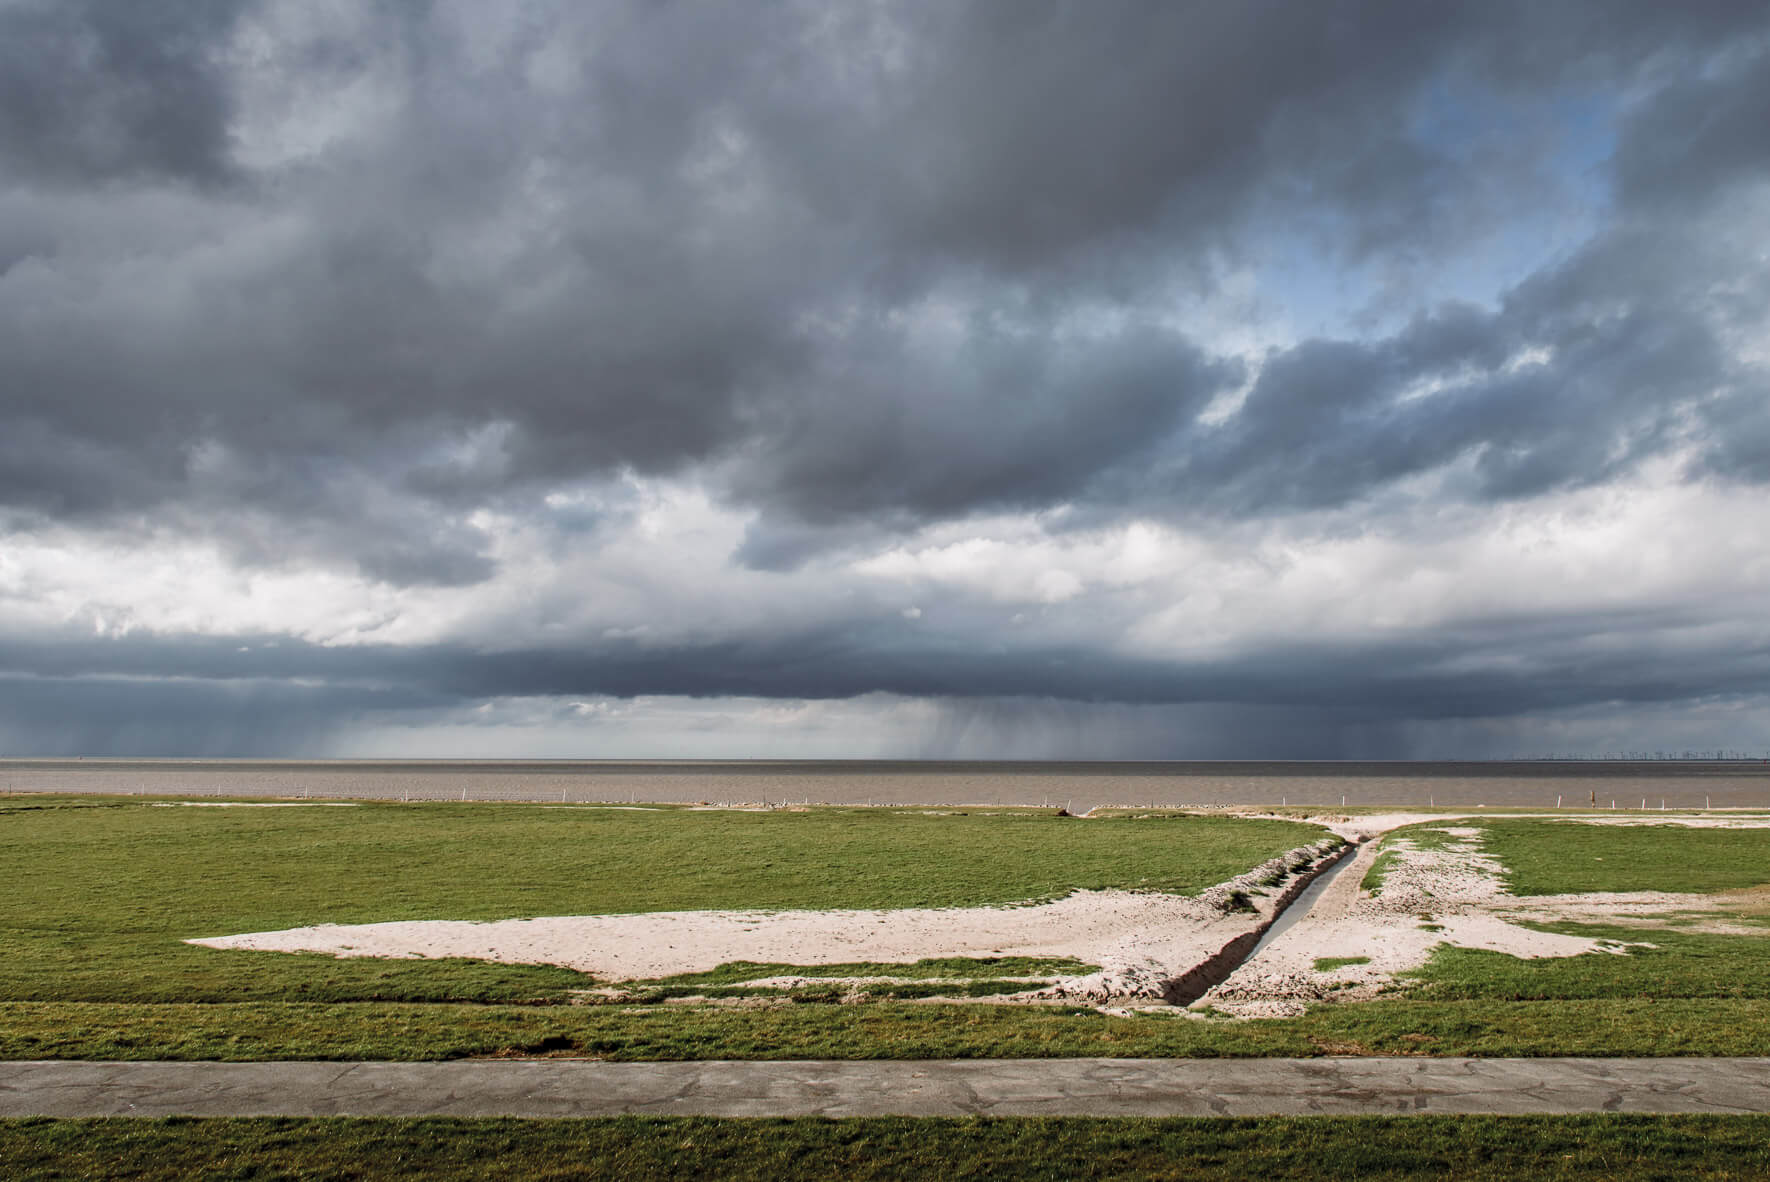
(1082, 786)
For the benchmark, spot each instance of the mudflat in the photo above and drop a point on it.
(1081, 785)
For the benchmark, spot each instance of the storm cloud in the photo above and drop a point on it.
(1362, 367)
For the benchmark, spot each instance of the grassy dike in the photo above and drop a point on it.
(91, 965)
(101, 893)
(333, 1150)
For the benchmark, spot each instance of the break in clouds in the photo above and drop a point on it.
(996, 379)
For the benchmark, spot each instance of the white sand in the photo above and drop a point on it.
(1688, 822)
(799, 981)
(1142, 940)
(1097, 927)
(1359, 828)
(254, 804)
(1429, 897)
(611, 808)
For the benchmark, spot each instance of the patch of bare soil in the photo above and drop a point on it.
(1143, 941)
(1686, 821)
(1450, 892)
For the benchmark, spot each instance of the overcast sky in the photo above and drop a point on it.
(1110, 380)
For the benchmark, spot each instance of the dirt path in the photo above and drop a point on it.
(1345, 890)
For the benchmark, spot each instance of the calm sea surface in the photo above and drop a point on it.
(1678, 784)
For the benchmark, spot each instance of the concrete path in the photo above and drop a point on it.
(1042, 1087)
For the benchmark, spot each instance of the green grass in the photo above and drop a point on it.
(946, 976)
(335, 1149)
(240, 1032)
(1327, 964)
(1373, 878)
(949, 967)
(100, 893)
(1680, 965)
(1558, 857)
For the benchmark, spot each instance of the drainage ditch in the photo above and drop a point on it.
(1293, 905)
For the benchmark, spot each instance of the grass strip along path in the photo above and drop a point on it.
(887, 1030)
(633, 1148)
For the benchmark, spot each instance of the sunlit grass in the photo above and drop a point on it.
(1600, 1026)
(1562, 857)
(101, 893)
(635, 1148)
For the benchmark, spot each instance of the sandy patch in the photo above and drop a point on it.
(1453, 894)
(1364, 828)
(1367, 826)
(1371, 825)
(253, 804)
(612, 808)
(1688, 822)
(1093, 926)
(802, 982)
(1724, 914)
(1141, 940)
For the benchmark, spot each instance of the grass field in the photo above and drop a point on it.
(1616, 1147)
(101, 892)
(1678, 965)
(1553, 858)
(91, 965)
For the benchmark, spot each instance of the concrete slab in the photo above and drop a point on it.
(1037, 1087)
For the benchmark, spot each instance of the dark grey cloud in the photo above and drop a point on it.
(1035, 131)
(355, 291)
(1698, 137)
(92, 92)
(1021, 419)
(144, 694)
(697, 239)
(1480, 668)
(169, 717)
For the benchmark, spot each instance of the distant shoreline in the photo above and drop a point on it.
(1585, 766)
(946, 783)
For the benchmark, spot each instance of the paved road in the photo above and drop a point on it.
(1043, 1087)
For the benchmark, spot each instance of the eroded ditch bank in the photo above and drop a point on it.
(1290, 907)
(1215, 969)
